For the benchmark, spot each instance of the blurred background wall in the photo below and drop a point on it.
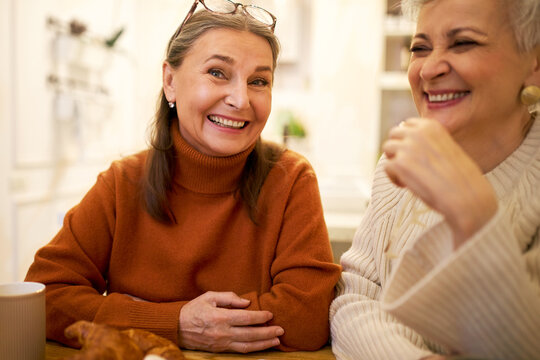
(79, 80)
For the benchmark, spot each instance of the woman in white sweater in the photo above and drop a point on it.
(446, 261)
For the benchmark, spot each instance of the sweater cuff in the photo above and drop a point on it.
(160, 318)
(446, 300)
(431, 249)
(434, 251)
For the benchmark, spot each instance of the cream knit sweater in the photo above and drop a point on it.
(405, 293)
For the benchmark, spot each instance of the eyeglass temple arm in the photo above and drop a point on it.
(191, 11)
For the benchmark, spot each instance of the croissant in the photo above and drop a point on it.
(102, 342)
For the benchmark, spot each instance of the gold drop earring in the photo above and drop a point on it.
(530, 95)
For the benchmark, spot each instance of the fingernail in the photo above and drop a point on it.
(280, 332)
(276, 342)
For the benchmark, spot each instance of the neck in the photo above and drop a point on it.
(490, 148)
(202, 173)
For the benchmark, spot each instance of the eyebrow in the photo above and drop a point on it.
(473, 29)
(229, 60)
(453, 32)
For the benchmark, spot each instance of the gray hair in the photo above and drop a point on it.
(524, 17)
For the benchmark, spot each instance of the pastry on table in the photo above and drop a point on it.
(104, 342)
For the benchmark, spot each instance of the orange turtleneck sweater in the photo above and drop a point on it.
(110, 245)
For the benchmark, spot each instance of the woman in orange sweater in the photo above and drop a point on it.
(212, 238)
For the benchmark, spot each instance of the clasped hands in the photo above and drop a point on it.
(218, 322)
(424, 158)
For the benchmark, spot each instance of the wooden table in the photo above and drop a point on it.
(55, 351)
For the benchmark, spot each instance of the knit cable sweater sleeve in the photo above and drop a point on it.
(484, 298)
(479, 300)
(303, 272)
(73, 266)
(360, 328)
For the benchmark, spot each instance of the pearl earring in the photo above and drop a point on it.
(530, 95)
(171, 105)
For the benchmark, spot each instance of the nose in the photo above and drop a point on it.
(237, 95)
(435, 65)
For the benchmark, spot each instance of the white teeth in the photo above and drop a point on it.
(227, 123)
(445, 97)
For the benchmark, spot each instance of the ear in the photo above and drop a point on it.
(534, 76)
(168, 82)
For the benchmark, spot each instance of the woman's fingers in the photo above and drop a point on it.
(247, 317)
(225, 299)
(216, 321)
(390, 148)
(424, 158)
(393, 175)
(255, 333)
(414, 150)
(229, 300)
(245, 347)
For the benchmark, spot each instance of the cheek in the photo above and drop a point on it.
(202, 95)
(196, 101)
(482, 69)
(413, 72)
(263, 106)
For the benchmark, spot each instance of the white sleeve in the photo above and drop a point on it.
(360, 328)
(482, 299)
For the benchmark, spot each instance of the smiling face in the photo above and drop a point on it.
(222, 90)
(465, 69)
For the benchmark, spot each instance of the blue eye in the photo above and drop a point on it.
(216, 73)
(260, 82)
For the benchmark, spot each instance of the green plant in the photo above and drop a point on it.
(112, 40)
(291, 124)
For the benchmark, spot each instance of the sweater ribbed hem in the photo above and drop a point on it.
(159, 318)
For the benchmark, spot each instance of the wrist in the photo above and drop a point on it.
(467, 223)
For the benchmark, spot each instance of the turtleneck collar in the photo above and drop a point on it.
(505, 176)
(206, 174)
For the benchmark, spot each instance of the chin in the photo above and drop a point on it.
(227, 151)
(448, 119)
(449, 123)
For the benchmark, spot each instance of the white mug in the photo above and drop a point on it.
(22, 321)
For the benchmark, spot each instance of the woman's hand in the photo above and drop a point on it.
(423, 157)
(216, 322)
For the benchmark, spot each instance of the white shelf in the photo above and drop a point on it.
(396, 103)
(398, 26)
(394, 80)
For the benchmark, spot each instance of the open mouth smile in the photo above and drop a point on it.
(227, 123)
(439, 98)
